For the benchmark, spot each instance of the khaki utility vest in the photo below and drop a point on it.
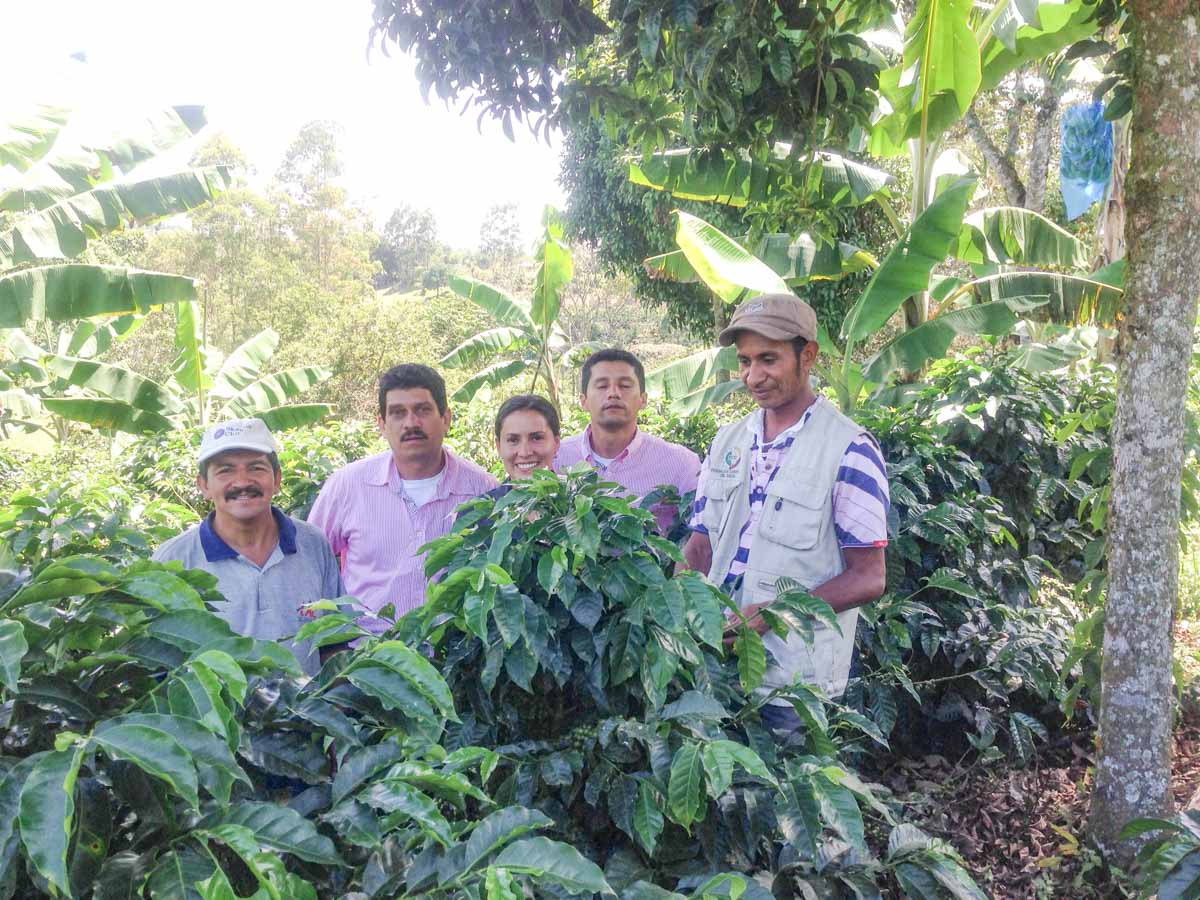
(794, 536)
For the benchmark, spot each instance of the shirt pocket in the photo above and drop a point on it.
(794, 514)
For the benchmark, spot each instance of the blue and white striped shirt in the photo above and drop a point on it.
(860, 491)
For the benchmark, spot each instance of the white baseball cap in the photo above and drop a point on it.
(237, 434)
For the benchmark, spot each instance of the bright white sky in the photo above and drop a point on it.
(263, 68)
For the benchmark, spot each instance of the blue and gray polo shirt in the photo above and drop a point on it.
(264, 602)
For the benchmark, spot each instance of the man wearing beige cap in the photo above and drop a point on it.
(268, 565)
(795, 489)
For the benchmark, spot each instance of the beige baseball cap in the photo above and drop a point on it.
(779, 317)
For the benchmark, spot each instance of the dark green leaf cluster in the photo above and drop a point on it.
(145, 746)
(56, 517)
(709, 73)
(999, 482)
(1168, 862)
(600, 679)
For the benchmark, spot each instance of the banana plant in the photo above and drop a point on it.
(952, 50)
(527, 336)
(25, 382)
(993, 241)
(61, 194)
(56, 194)
(204, 387)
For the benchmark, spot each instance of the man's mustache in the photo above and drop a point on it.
(413, 434)
(235, 493)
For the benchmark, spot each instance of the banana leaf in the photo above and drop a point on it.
(505, 309)
(906, 269)
(63, 230)
(796, 260)
(690, 374)
(555, 269)
(25, 140)
(690, 404)
(735, 180)
(274, 390)
(1071, 298)
(116, 383)
(297, 415)
(486, 343)
(724, 265)
(73, 170)
(931, 340)
(109, 415)
(495, 374)
(245, 364)
(1009, 234)
(74, 291)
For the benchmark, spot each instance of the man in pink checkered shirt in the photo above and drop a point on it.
(613, 391)
(378, 511)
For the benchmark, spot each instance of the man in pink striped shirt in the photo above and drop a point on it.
(613, 391)
(377, 511)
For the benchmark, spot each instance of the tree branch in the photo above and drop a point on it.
(1039, 152)
(1014, 190)
(1015, 114)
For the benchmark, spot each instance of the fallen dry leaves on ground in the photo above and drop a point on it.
(1020, 830)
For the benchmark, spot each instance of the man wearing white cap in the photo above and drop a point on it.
(268, 565)
(795, 489)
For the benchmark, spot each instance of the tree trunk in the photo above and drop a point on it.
(1039, 153)
(720, 320)
(1154, 349)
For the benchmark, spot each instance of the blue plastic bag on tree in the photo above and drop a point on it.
(1085, 165)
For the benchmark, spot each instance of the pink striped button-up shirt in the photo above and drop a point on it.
(648, 462)
(376, 529)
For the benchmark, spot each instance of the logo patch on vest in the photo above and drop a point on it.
(732, 458)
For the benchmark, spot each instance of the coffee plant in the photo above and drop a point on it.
(997, 481)
(56, 518)
(602, 680)
(567, 715)
(145, 744)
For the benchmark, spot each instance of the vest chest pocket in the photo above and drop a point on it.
(720, 489)
(794, 513)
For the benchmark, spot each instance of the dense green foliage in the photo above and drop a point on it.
(710, 74)
(145, 745)
(1168, 863)
(988, 473)
(602, 679)
(588, 700)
